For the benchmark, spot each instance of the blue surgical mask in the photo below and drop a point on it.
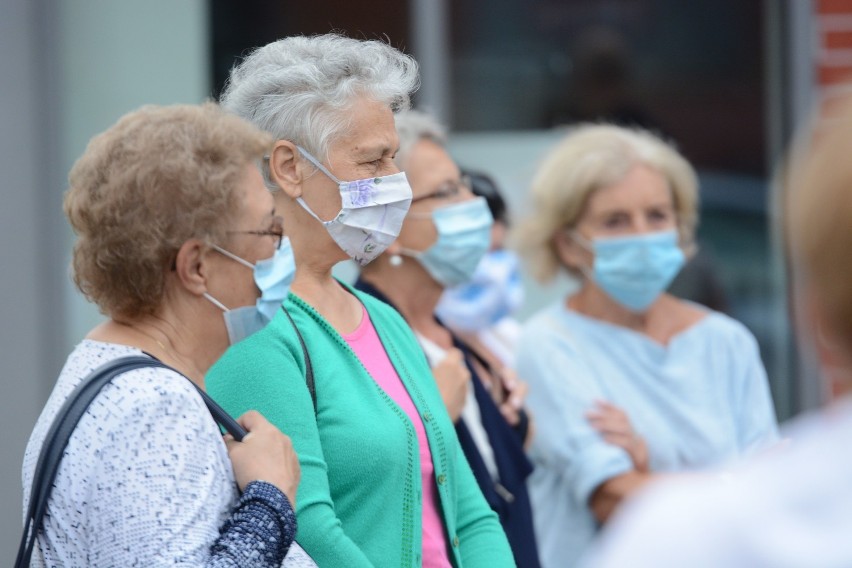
(494, 292)
(464, 236)
(372, 213)
(634, 270)
(273, 277)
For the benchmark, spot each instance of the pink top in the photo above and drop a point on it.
(366, 344)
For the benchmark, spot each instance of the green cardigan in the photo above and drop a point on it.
(359, 501)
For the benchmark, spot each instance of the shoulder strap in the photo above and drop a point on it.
(53, 447)
(309, 370)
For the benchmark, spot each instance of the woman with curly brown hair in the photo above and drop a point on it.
(170, 209)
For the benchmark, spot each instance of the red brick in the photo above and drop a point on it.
(834, 6)
(833, 75)
(838, 40)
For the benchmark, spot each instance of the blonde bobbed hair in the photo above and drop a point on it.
(157, 178)
(591, 157)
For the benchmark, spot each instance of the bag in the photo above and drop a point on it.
(63, 426)
(309, 369)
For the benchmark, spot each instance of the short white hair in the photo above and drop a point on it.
(299, 88)
(413, 126)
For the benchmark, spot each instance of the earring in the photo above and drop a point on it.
(395, 260)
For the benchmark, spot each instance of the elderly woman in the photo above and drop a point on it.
(481, 311)
(792, 507)
(170, 209)
(625, 380)
(445, 235)
(384, 482)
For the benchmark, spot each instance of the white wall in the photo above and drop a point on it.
(70, 68)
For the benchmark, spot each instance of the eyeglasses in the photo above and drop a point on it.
(447, 190)
(276, 231)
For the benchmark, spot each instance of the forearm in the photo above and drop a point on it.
(609, 495)
(259, 532)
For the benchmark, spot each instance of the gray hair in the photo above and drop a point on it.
(413, 126)
(298, 88)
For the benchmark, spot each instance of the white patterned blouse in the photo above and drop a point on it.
(146, 479)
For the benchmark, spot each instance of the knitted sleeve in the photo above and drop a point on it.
(259, 532)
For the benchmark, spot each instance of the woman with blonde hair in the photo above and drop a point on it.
(626, 381)
(791, 507)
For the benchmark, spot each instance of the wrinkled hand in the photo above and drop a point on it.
(452, 377)
(264, 454)
(614, 425)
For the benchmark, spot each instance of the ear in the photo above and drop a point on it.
(191, 266)
(570, 253)
(285, 168)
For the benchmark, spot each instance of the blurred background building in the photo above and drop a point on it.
(727, 81)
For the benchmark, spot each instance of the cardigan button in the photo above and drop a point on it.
(456, 541)
(427, 416)
(442, 479)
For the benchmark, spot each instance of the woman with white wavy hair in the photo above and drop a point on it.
(384, 481)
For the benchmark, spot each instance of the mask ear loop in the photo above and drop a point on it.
(324, 170)
(216, 302)
(319, 165)
(232, 256)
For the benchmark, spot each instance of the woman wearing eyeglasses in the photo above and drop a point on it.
(179, 246)
(446, 233)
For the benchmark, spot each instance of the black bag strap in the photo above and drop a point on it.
(53, 447)
(309, 369)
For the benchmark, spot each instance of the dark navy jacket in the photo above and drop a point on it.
(508, 497)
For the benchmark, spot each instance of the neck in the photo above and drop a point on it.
(665, 318)
(191, 349)
(317, 287)
(594, 302)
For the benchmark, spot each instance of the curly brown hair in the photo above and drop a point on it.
(157, 178)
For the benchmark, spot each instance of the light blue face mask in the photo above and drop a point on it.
(273, 277)
(494, 292)
(464, 236)
(636, 269)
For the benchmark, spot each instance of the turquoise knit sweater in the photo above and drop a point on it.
(359, 501)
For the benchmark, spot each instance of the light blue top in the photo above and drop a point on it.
(702, 399)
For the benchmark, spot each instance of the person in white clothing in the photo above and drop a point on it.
(791, 507)
(172, 220)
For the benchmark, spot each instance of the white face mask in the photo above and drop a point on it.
(372, 213)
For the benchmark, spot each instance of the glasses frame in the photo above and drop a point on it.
(442, 192)
(277, 231)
